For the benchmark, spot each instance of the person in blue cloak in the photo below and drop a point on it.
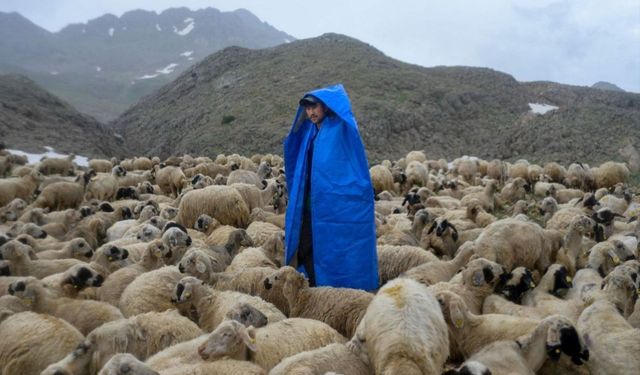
(330, 224)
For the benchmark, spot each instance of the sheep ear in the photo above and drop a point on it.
(457, 316)
(614, 256)
(249, 338)
(200, 267)
(455, 232)
(433, 226)
(478, 278)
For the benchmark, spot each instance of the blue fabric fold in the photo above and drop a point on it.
(342, 205)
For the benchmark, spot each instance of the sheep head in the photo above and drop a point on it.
(514, 284)
(80, 249)
(562, 337)
(196, 263)
(247, 315)
(230, 339)
(126, 364)
(454, 310)
(185, 289)
(82, 276)
(480, 272)
(27, 289)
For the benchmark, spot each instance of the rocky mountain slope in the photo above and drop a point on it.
(31, 119)
(241, 100)
(105, 65)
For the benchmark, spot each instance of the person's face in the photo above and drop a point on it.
(316, 113)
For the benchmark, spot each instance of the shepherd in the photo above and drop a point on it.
(330, 224)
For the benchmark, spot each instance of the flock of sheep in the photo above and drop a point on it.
(143, 266)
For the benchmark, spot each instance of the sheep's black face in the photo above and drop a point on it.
(590, 202)
(249, 316)
(200, 224)
(106, 207)
(126, 213)
(562, 282)
(196, 179)
(115, 253)
(18, 286)
(569, 345)
(488, 274)
(178, 295)
(181, 268)
(85, 211)
(267, 284)
(3, 240)
(514, 291)
(5, 270)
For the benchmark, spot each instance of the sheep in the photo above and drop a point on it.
(341, 308)
(255, 197)
(22, 263)
(73, 281)
(333, 357)
(142, 163)
(150, 291)
(110, 258)
(403, 331)
(486, 197)
(617, 205)
(614, 345)
(543, 301)
(211, 305)
(171, 180)
(269, 345)
(142, 335)
(513, 243)
(260, 232)
(519, 169)
(469, 332)
(103, 186)
(20, 187)
(223, 203)
(245, 177)
(381, 179)
(61, 195)
(394, 260)
(116, 283)
(100, 165)
(10, 305)
(610, 173)
(13, 210)
(526, 355)
(514, 190)
(466, 167)
(247, 314)
(31, 341)
(250, 258)
(512, 286)
(568, 254)
(477, 280)
(555, 171)
(77, 249)
(124, 363)
(85, 315)
(442, 237)
(435, 271)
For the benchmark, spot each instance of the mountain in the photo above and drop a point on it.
(31, 119)
(105, 65)
(240, 100)
(606, 86)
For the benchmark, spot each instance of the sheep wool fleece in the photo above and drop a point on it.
(342, 205)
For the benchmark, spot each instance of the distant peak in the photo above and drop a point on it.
(602, 85)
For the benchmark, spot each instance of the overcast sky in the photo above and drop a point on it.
(576, 42)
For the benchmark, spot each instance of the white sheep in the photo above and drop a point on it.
(403, 330)
(333, 357)
(549, 339)
(31, 341)
(223, 203)
(21, 187)
(513, 243)
(341, 308)
(23, 264)
(85, 315)
(142, 335)
(613, 343)
(150, 291)
(269, 345)
(212, 305)
(394, 260)
(171, 180)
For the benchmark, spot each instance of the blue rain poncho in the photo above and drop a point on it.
(342, 204)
